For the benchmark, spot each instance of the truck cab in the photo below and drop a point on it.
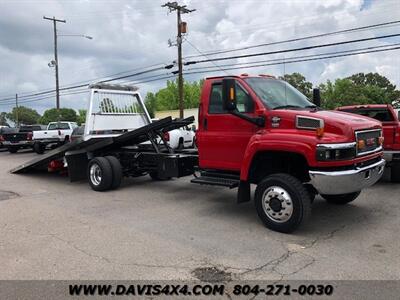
(261, 130)
(389, 117)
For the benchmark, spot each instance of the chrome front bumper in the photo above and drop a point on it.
(349, 181)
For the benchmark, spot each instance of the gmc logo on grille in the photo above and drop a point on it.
(370, 142)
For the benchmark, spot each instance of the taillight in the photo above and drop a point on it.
(29, 136)
(166, 136)
(1, 138)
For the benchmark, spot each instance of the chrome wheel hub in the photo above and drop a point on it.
(277, 204)
(95, 174)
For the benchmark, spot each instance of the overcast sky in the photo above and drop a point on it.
(130, 34)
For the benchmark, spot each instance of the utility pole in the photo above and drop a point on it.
(180, 9)
(56, 57)
(17, 110)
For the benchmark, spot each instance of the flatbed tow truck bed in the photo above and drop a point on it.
(135, 159)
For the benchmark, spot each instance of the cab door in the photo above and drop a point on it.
(223, 137)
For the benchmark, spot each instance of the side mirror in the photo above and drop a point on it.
(229, 94)
(316, 97)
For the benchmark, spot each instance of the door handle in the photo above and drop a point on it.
(205, 124)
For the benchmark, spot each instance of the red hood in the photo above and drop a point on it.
(335, 122)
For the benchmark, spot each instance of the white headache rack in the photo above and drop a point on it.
(114, 109)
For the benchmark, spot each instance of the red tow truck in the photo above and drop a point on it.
(389, 118)
(252, 130)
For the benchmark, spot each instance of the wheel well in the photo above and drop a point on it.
(271, 162)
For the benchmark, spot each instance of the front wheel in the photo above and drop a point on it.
(282, 202)
(342, 198)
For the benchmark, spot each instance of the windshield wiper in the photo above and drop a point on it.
(287, 106)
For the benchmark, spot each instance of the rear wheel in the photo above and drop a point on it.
(342, 198)
(116, 171)
(39, 148)
(13, 149)
(282, 202)
(100, 174)
(395, 172)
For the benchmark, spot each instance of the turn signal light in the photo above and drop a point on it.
(319, 131)
(361, 144)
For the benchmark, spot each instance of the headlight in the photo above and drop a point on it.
(332, 152)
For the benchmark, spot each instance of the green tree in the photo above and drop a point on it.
(26, 116)
(65, 114)
(358, 89)
(299, 82)
(376, 81)
(151, 103)
(167, 98)
(81, 116)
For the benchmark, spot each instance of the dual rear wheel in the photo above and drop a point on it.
(104, 173)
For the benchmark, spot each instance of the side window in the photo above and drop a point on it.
(215, 103)
(52, 126)
(244, 102)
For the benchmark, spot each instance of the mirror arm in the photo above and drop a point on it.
(259, 121)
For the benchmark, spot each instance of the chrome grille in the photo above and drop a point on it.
(371, 140)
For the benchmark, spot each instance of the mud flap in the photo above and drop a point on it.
(243, 194)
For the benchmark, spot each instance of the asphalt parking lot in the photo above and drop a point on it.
(53, 229)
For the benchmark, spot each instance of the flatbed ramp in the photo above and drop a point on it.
(133, 137)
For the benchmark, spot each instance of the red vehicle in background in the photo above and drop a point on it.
(389, 118)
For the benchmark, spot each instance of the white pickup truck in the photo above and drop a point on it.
(180, 138)
(56, 134)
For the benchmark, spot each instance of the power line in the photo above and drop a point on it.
(87, 83)
(299, 39)
(293, 49)
(294, 61)
(297, 57)
(206, 56)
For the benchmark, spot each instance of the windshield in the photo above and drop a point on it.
(277, 94)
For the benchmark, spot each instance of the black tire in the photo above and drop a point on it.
(39, 148)
(341, 199)
(13, 149)
(105, 178)
(395, 172)
(299, 201)
(154, 175)
(116, 171)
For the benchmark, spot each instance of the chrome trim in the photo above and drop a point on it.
(371, 151)
(321, 122)
(348, 181)
(337, 146)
